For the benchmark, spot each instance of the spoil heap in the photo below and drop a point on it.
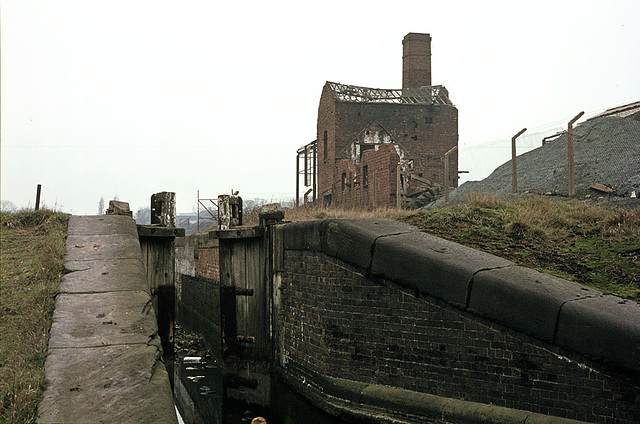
(606, 153)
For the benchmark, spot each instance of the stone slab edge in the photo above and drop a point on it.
(119, 234)
(548, 308)
(605, 327)
(350, 240)
(524, 299)
(381, 404)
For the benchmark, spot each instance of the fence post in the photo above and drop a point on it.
(572, 185)
(514, 166)
(298, 180)
(398, 188)
(38, 196)
(446, 173)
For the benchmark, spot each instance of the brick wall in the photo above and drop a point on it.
(381, 303)
(416, 60)
(208, 262)
(380, 165)
(197, 287)
(326, 143)
(425, 132)
(339, 323)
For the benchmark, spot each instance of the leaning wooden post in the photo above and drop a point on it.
(572, 185)
(38, 196)
(514, 166)
(446, 173)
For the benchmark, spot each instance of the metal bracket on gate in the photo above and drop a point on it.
(245, 339)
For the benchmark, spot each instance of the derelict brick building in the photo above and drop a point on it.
(363, 134)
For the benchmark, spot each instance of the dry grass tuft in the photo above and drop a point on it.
(312, 213)
(623, 223)
(588, 244)
(32, 246)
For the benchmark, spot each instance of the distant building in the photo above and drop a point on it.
(365, 136)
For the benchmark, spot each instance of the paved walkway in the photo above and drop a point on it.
(104, 364)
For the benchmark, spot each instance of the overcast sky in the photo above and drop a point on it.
(129, 98)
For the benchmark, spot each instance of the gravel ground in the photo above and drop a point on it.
(606, 151)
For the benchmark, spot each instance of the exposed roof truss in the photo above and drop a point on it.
(437, 95)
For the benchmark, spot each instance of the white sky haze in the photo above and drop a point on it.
(129, 98)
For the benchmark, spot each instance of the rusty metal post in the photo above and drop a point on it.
(398, 188)
(375, 188)
(297, 180)
(315, 160)
(306, 193)
(447, 183)
(352, 178)
(38, 196)
(572, 185)
(514, 165)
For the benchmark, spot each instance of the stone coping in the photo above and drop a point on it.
(548, 308)
(375, 403)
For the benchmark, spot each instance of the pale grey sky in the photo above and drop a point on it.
(129, 98)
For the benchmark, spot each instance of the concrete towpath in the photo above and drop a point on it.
(104, 361)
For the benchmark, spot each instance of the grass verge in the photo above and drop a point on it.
(590, 245)
(32, 249)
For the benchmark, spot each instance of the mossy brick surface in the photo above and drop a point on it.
(420, 404)
(456, 410)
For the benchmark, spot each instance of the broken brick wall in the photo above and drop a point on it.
(424, 132)
(372, 182)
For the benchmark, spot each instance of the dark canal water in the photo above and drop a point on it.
(202, 379)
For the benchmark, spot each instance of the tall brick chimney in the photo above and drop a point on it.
(416, 60)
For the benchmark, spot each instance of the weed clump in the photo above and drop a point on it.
(32, 245)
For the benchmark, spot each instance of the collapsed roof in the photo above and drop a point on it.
(426, 95)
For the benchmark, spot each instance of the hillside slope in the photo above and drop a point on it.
(606, 151)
